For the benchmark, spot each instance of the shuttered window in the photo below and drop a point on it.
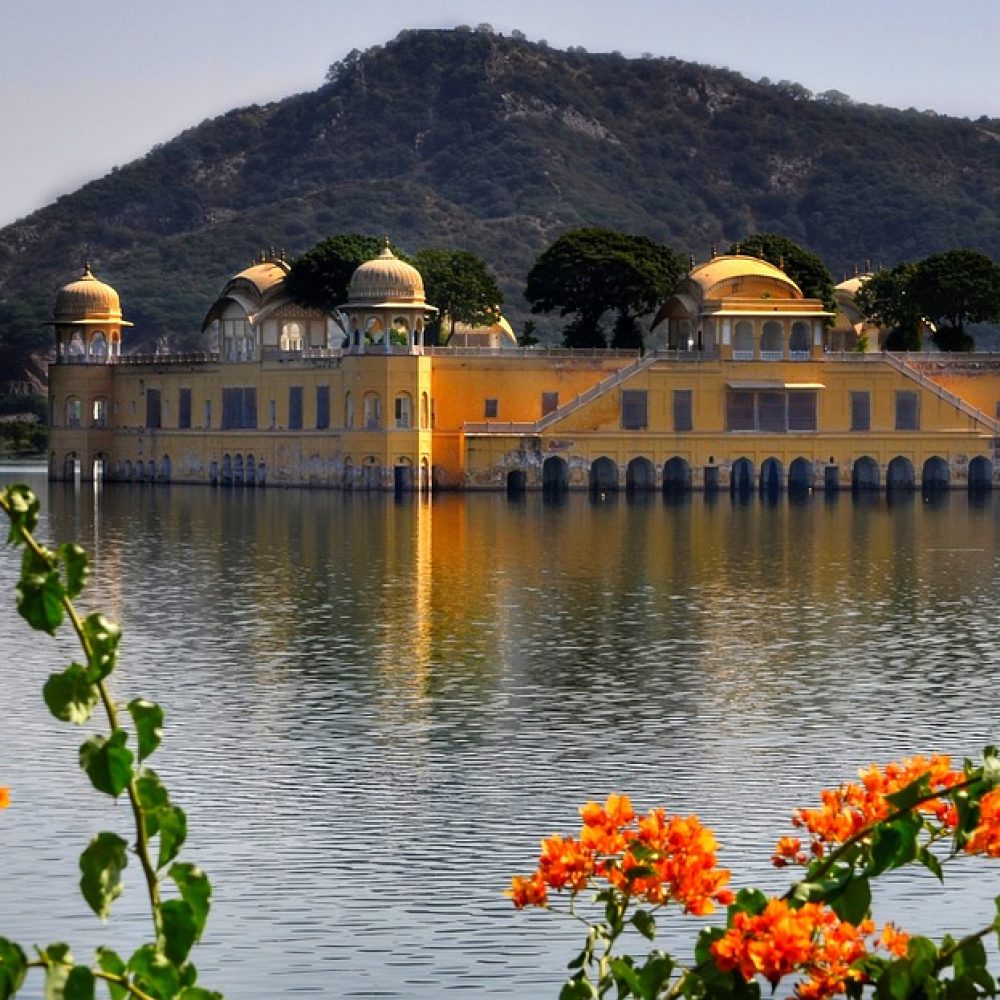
(634, 409)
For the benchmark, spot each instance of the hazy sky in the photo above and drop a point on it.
(85, 86)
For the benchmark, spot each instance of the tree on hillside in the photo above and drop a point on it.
(954, 288)
(804, 267)
(320, 277)
(461, 286)
(886, 298)
(588, 272)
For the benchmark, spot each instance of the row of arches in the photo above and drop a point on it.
(237, 470)
(802, 474)
(100, 468)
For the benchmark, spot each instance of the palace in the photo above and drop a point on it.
(747, 383)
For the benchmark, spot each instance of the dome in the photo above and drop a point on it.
(263, 275)
(735, 266)
(386, 279)
(851, 285)
(88, 299)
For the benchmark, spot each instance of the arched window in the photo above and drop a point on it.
(74, 411)
(771, 347)
(77, 348)
(743, 340)
(99, 412)
(404, 411)
(373, 411)
(291, 337)
(798, 344)
(348, 410)
(425, 411)
(98, 345)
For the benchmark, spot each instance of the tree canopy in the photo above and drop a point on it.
(803, 266)
(588, 272)
(461, 286)
(886, 299)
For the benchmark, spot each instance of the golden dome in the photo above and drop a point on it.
(263, 275)
(729, 267)
(88, 299)
(386, 279)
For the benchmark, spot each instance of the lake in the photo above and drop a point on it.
(375, 708)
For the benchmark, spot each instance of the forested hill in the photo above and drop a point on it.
(496, 144)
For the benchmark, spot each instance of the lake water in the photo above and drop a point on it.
(376, 708)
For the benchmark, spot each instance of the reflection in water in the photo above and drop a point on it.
(376, 708)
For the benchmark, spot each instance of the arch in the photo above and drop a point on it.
(74, 411)
(772, 476)
(262, 472)
(771, 339)
(798, 342)
(372, 411)
(238, 469)
(899, 474)
(127, 470)
(348, 410)
(425, 474)
(151, 470)
(640, 474)
(140, 471)
(676, 475)
(743, 338)
(864, 474)
(166, 469)
(100, 467)
(555, 474)
(425, 411)
(741, 476)
(291, 336)
(403, 413)
(708, 335)
(99, 345)
(935, 475)
(517, 480)
(603, 474)
(71, 465)
(251, 470)
(77, 348)
(213, 472)
(227, 469)
(349, 474)
(99, 412)
(801, 474)
(980, 473)
(402, 476)
(372, 473)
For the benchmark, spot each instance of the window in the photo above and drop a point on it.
(373, 411)
(208, 413)
(348, 411)
(861, 411)
(802, 410)
(550, 402)
(404, 411)
(152, 407)
(771, 411)
(295, 408)
(184, 409)
(634, 415)
(740, 411)
(272, 414)
(99, 414)
(322, 407)
(682, 410)
(907, 413)
(239, 408)
(491, 409)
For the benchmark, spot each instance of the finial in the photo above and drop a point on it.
(87, 273)
(691, 263)
(781, 262)
(855, 270)
(281, 254)
(736, 249)
(270, 252)
(868, 265)
(715, 251)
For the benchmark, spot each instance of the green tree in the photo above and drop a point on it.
(588, 272)
(804, 267)
(320, 277)
(461, 286)
(886, 298)
(954, 288)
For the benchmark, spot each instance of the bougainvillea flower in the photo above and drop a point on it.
(985, 837)
(4, 797)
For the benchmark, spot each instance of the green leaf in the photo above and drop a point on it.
(154, 972)
(197, 993)
(645, 924)
(751, 901)
(972, 955)
(102, 864)
(854, 901)
(58, 962)
(109, 961)
(13, 966)
(23, 509)
(180, 930)
(79, 984)
(196, 891)
(148, 719)
(163, 819)
(910, 794)
(626, 976)
(71, 696)
(76, 564)
(103, 636)
(39, 593)
(931, 863)
(578, 989)
(991, 768)
(108, 762)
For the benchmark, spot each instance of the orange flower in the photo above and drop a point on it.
(4, 797)
(894, 940)
(528, 891)
(604, 826)
(788, 849)
(985, 838)
(565, 861)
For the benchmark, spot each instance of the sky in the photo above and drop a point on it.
(86, 86)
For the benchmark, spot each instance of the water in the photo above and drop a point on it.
(376, 708)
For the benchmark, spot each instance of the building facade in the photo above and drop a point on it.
(739, 390)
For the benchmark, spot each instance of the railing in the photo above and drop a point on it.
(499, 427)
(605, 353)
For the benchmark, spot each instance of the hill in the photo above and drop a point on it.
(496, 144)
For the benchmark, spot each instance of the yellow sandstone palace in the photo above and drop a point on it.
(747, 383)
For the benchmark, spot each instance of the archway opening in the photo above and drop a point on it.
(741, 476)
(677, 475)
(640, 474)
(771, 476)
(603, 475)
(936, 474)
(980, 473)
(899, 475)
(801, 475)
(517, 480)
(555, 475)
(864, 474)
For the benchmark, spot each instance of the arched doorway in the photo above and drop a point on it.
(251, 470)
(640, 474)
(555, 475)
(402, 476)
(517, 480)
(166, 469)
(676, 475)
(771, 476)
(899, 475)
(741, 476)
(603, 475)
(980, 473)
(864, 474)
(936, 475)
(801, 475)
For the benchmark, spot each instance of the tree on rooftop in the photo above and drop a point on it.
(461, 286)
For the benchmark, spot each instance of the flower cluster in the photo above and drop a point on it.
(652, 858)
(985, 837)
(812, 940)
(848, 810)
(4, 797)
